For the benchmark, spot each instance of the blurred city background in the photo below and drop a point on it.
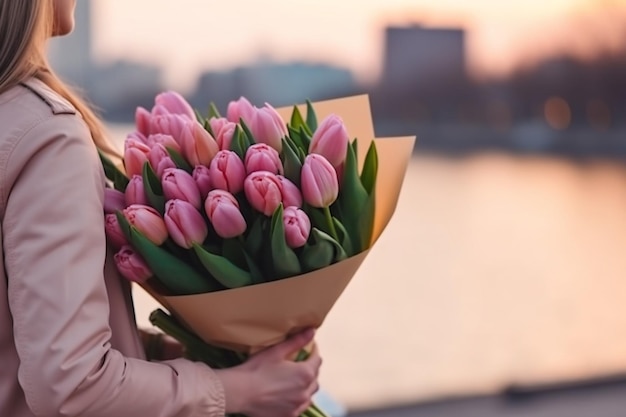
(499, 286)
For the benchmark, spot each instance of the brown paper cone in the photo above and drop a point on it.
(251, 318)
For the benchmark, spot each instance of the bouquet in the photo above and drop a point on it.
(248, 228)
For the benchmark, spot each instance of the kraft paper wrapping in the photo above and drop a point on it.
(250, 318)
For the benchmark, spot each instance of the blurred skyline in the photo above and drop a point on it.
(189, 36)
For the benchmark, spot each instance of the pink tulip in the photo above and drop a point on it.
(180, 185)
(138, 136)
(135, 192)
(202, 176)
(166, 140)
(113, 200)
(135, 156)
(240, 109)
(223, 211)
(297, 227)
(114, 231)
(198, 146)
(175, 103)
(159, 110)
(224, 136)
(131, 265)
(227, 172)
(169, 124)
(268, 127)
(261, 157)
(147, 221)
(217, 123)
(320, 186)
(264, 191)
(331, 140)
(160, 160)
(292, 197)
(185, 223)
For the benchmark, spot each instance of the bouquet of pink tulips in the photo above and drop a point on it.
(247, 228)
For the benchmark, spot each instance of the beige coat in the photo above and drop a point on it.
(68, 340)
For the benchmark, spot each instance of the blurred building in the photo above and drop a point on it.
(416, 57)
(276, 83)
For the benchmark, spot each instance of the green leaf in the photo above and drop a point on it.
(311, 117)
(344, 237)
(352, 200)
(254, 240)
(370, 169)
(339, 253)
(296, 140)
(317, 217)
(213, 111)
(319, 253)
(153, 189)
(117, 177)
(207, 126)
(223, 270)
(284, 259)
(247, 133)
(236, 144)
(305, 137)
(292, 164)
(255, 271)
(367, 220)
(179, 160)
(296, 118)
(178, 277)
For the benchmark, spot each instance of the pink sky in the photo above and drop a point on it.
(189, 35)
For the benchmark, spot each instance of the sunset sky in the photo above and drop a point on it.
(187, 36)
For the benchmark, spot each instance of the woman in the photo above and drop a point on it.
(68, 340)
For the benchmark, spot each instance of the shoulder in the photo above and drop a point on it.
(41, 127)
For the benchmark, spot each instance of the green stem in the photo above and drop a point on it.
(331, 223)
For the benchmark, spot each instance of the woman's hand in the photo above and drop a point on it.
(269, 384)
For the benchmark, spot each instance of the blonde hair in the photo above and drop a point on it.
(25, 27)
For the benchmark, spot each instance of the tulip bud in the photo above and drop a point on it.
(166, 140)
(240, 109)
(223, 211)
(169, 124)
(227, 172)
(143, 120)
(135, 156)
(331, 140)
(263, 191)
(131, 265)
(184, 223)
(114, 231)
(198, 146)
(261, 157)
(292, 197)
(175, 104)
(160, 159)
(318, 178)
(113, 200)
(202, 176)
(224, 136)
(217, 123)
(297, 227)
(135, 192)
(147, 221)
(268, 127)
(178, 184)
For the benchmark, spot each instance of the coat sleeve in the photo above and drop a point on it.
(54, 246)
